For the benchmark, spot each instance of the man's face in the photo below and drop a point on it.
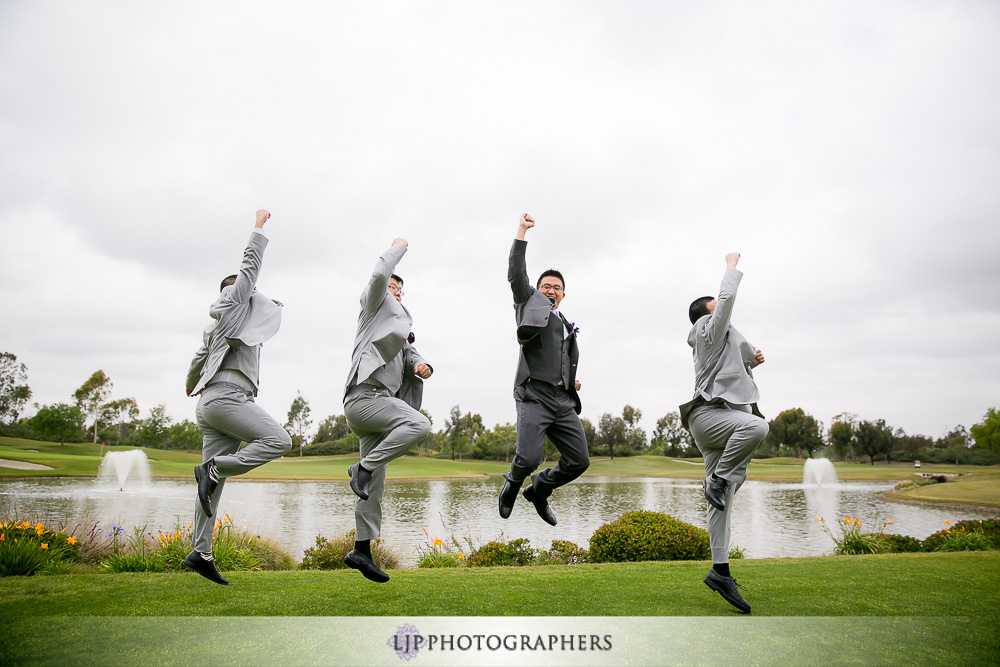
(552, 287)
(711, 305)
(396, 289)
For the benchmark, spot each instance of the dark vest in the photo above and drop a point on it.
(548, 354)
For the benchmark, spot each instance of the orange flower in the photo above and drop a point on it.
(39, 527)
(889, 521)
(438, 542)
(71, 540)
(947, 522)
(44, 546)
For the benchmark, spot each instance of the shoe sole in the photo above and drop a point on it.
(220, 581)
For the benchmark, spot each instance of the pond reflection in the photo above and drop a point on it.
(771, 519)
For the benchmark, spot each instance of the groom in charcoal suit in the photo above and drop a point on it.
(225, 373)
(545, 386)
(723, 417)
(382, 400)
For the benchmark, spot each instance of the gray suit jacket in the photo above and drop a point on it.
(242, 317)
(384, 325)
(531, 311)
(723, 358)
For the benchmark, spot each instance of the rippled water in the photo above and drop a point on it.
(771, 519)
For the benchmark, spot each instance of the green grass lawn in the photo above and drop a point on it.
(890, 609)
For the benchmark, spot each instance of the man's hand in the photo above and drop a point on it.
(262, 216)
(400, 242)
(423, 370)
(732, 259)
(526, 223)
(759, 357)
(577, 385)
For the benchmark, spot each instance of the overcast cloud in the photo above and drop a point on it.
(850, 151)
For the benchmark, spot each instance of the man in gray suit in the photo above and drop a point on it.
(723, 417)
(225, 373)
(545, 386)
(382, 400)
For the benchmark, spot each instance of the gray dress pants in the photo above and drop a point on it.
(387, 428)
(227, 416)
(543, 410)
(728, 437)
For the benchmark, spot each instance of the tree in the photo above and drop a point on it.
(154, 430)
(957, 436)
(589, 432)
(912, 444)
(58, 421)
(796, 429)
(987, 432)
(612, 431)
(184, 435)
(635, 437)
(841, 435)
(670, 437)
(497, 443)
(14, 390)
(120, 414)
(874, 438)
(462, 431)
(298, 421)
(92, 395)
(332, 428)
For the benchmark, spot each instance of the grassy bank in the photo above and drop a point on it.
(945, 584)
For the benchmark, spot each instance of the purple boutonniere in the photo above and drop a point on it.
(576, 329)
(411, 338)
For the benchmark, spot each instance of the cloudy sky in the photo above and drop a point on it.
(850, 151)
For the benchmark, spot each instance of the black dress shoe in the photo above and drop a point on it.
(366, 566)
(541, 505)
(728, 589)
(508, 495)
(359, 480)
(206, 485)
(205, 568)
(715, 492)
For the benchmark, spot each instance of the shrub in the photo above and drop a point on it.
(562, 553)
(901, 544)
(644, 535)
(969, 535)
(331, 447)
(737, 552)
(329, 554)
(27, 548)
(853, 540)
(441, 553)
(499, 552)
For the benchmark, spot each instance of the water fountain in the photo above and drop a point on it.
(819, 472)
(120, 466)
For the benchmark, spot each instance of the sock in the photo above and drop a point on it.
(721, 568)
(213, 473)
(205, 556)
(363, 547)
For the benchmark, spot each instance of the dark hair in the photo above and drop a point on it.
(699, 308)
(555, 274)
(227, 281)
(397, 279)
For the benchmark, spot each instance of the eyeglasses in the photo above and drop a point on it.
(395, 289)
(546, 287)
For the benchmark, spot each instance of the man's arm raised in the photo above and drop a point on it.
(517, 272)
(246, 279)
(718, 324)
(375, 291)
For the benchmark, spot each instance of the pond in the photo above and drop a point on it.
(771, 519)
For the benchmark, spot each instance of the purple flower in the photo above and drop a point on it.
(576, 329)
